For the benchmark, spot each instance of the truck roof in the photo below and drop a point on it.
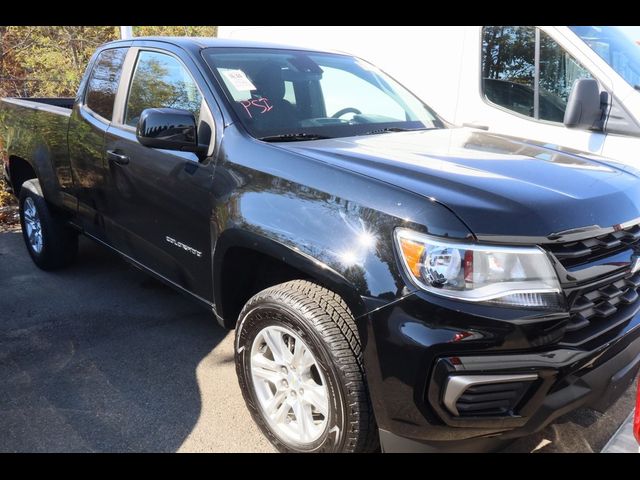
(198, 43)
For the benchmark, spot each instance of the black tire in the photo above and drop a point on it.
(323, 321)
(59, 241)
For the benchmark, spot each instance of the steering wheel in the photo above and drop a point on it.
(344, 111)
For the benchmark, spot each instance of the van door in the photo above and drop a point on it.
(524, 81)
(619, 56)
(623, 130)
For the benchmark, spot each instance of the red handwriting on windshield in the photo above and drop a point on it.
(256, 105)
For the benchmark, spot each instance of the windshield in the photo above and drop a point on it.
(615, 48)
(290, 94)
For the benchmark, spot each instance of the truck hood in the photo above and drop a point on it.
(497, 185)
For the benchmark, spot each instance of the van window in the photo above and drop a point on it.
(508, 67)
(509, 72)
(615, 48)
(103, 83)
(160, 81)
(558, 71)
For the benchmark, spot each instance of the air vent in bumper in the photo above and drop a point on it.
(486, 395)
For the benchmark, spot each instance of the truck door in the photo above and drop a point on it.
(160, 201)
(89, 121)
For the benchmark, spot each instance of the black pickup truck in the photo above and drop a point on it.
(393, 281)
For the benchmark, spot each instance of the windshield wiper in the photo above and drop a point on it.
(293, 137)
(393, 129)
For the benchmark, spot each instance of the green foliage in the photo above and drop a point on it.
(50, 61)
(510, 53)
(176, 31)
(47, 61)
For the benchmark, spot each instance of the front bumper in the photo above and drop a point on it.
(415, 345)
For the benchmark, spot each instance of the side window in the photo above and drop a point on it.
(160, 81)
(103, 82)
(508, 67)
(509, 72)
(558, 71)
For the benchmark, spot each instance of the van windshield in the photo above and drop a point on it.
(285, 95)
(615, 48)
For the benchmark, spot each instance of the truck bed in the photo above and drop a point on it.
(62, 105)
(36, 129)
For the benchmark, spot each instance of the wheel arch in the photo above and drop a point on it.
(33, 159)
(241, 256)
(20, 170)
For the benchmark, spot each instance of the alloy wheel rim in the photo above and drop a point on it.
(32, 225)
(290, 387)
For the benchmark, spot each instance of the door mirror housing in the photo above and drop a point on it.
(584, 109)
(168, 129)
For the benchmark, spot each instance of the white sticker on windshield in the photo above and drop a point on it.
(239, 80)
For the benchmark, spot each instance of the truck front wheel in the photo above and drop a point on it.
(50, 242)
(299, 362)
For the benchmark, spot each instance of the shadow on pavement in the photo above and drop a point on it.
(97, 357)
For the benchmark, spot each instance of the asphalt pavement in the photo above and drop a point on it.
(100, 357)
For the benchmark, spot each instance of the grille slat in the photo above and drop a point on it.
(578, 322)
(611, 292)
(605, 309)
(577, 253)
(630, 297)
(599, 307)
(497, 407)
(599, 310)
(487, 397)
(634, 281)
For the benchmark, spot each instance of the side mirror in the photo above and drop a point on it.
(169, 129)
(583, 107)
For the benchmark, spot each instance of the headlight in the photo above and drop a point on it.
(509, 276)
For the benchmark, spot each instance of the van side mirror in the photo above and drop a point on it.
(583, 107)
(169, 129)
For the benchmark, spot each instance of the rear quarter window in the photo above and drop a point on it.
(103, 82)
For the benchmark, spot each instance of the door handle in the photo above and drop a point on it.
(116, 157)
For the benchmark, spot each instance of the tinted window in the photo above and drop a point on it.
(508, 67)
(160, 81)
(558, 71)
(103, 83)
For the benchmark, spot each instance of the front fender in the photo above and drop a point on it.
(332, 223)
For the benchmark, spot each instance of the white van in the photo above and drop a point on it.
(514, 80)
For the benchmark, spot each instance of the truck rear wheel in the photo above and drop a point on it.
(50, 242)
(299, 364)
